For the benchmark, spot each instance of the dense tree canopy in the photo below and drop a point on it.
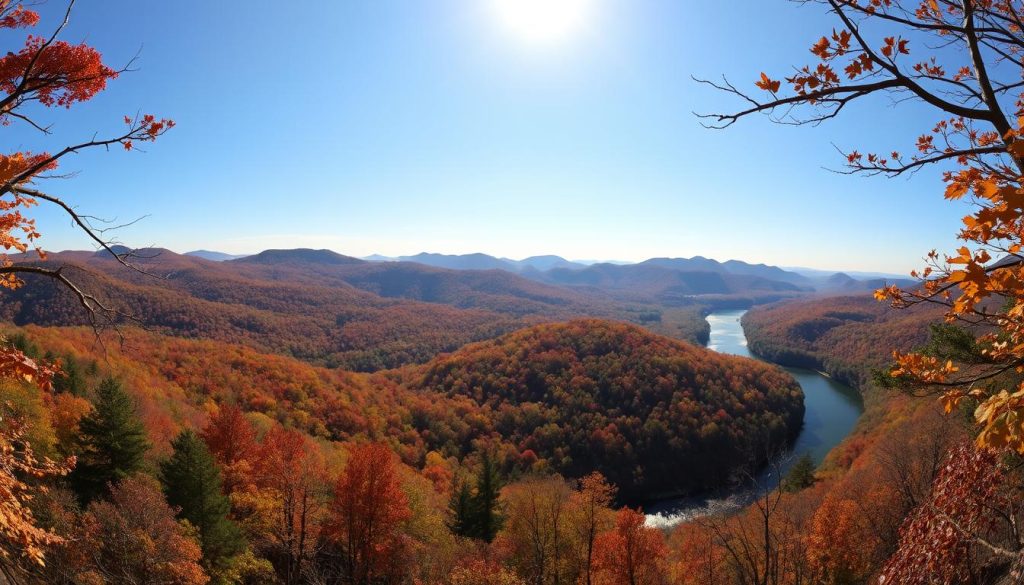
(648, 412)
(838, 335)
(134, 538)
(368, 510)
(359, 316)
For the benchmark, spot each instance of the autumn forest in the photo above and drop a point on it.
(298, 415)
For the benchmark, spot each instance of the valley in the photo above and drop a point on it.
(556, 383)
(453, 358)
(385, 360)
(831, 411)
(335, 310)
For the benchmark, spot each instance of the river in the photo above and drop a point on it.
(832, 410)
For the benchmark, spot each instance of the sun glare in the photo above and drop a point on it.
(542, 22)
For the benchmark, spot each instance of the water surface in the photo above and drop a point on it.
(832, 410)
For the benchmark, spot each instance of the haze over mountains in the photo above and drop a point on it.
(558, 270)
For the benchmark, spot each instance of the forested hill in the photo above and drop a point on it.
(318, 306)
(651, 413)
(334, 310)
(839, 335)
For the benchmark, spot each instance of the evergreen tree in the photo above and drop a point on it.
(460, 508)
(484, 508)
(192, 483)
(801, 475)
(69, 378)
(22, 343)
(112, 442)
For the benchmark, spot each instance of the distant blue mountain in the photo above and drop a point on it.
(379, 258)
(548, 262)
(480, 262)
(461, 261)
(654, 273)
(299, 255)
(215, 256)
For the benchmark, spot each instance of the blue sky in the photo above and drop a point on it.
(400, 126)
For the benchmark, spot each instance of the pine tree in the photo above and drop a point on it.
(192, 483)
(801, 475)
(485, 513)
(112, 442)
(460, 509)
(69, 378)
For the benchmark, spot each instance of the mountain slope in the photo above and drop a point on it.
(547, 262)
(305, 255)
(496, 290)
(321, 306)
(664, 282)
(845, 336)
(653, 414)
(334, 324)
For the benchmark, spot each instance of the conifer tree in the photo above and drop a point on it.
(69, 378)
(192, 483)
(112, 442)
(484, 506)
(801, 475)
(460, 508)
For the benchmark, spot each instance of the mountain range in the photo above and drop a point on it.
(621, 275)
(558, 270)
(337, 310)
(810, 279)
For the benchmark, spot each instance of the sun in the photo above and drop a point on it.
(542, 22)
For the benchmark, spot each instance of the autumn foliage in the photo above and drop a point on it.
(942, 540)
(19, 468)
(837, 334)
(333, 476)
(976, 139)
(962, 61)
(135, 537)
(51, 73)
(367, 514)
(631, 553)
(647, 412)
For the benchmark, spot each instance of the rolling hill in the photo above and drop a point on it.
(334, 324)
(480, 261)
(332, 309)
(837, 334)
(667, 284)
(653, 414)
(317, 305)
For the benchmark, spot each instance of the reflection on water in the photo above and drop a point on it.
(832, 410)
